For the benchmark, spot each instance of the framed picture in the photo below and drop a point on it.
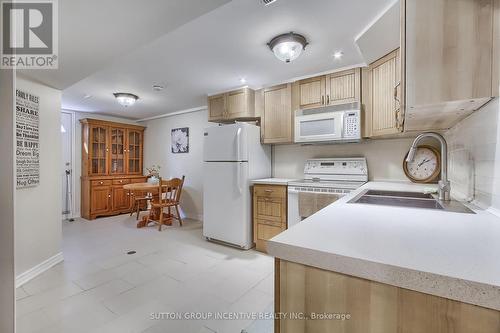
(180, 140)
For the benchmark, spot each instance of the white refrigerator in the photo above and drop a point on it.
(233, 156)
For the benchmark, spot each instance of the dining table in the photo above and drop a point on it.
(152, 190)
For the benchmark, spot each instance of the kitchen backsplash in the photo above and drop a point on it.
(474, 157)
(384, 157)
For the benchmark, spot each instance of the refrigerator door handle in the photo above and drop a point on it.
(238, 144)
(238, 174)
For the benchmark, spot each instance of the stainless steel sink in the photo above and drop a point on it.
(399, 194)
(408, 199)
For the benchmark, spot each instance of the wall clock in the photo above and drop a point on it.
(425, 167)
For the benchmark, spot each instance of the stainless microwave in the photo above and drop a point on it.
(338, 123)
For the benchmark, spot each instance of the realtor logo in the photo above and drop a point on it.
(29, 34)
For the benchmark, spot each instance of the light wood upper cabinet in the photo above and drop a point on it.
(277, 117)
(241, 104)
(449, 51)
(233, 105)
(312, 92)
(381, 96)
(332, 89)
(216, 107)
(343, 87)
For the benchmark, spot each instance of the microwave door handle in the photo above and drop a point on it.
(342, 130)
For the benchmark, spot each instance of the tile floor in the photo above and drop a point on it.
(99, 288)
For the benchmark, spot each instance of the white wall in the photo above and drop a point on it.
(157, 151)
(474, 156)
(384, 157)
(38, 209)
(7, 196)
(77, 167)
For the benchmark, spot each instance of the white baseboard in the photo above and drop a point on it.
(38, 269)
(197, 217)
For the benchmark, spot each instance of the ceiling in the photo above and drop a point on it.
(195, 48)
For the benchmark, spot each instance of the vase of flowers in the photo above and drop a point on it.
(153, 174)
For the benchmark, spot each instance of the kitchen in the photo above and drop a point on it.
(346, 173)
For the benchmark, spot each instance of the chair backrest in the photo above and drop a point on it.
(170, 190)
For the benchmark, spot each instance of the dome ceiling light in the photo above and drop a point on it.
(288, 47)
(126, 99)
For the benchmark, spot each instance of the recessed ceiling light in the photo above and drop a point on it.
(338, 54)
(87, 96)
(126, 99)
(243, 80)
(158, 87)
(288, 47)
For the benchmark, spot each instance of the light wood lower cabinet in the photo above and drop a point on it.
(269, 213)
(372, 307)
(106, 196)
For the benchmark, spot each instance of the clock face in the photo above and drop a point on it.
(424, 166)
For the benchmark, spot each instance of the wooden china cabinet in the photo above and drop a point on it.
(112, 156)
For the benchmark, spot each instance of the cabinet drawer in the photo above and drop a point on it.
(138, 180)
(275, 223)
(266, 232)
(276, 191)
(270, 208)
(121, 181)
(104, 182)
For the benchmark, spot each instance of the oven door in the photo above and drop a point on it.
(319, 127)
(304, 202)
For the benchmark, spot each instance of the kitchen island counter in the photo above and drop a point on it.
(451, 255)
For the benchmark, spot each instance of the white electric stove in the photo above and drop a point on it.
(334, 177)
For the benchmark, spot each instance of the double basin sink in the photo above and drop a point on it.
(409, 200)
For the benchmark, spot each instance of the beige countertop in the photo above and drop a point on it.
(272, 181)
(452, 255)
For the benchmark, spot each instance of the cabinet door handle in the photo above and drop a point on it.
(269, 191)
(396, 92)
(322, 100)
(101, 183)
(327, 99)
(109, 195)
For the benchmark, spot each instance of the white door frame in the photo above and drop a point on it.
(73, 142)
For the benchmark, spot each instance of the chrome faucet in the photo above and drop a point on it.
(443, 184)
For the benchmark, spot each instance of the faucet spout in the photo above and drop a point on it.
(444, 184)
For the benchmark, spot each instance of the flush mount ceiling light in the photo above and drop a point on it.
(288, 47)
(243, 80)
(126, 99)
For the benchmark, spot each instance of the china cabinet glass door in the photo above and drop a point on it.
(99, 149)
(134, 151)
(117, 151)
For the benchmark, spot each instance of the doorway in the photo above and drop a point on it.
(67, 163)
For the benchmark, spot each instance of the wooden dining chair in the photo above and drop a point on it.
(169, 194)
(139, 200)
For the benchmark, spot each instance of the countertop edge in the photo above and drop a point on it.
(470, 292)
